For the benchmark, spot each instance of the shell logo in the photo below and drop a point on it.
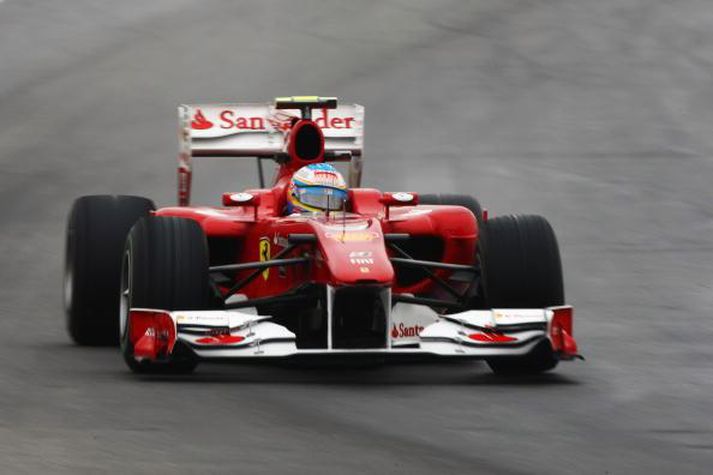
(353, 236)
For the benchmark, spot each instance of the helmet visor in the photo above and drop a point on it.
(322, 197)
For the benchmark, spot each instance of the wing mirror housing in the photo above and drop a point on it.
(242, 199)
(399, 198)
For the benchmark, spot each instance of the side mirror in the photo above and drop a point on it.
(240, 199)
(400, 198)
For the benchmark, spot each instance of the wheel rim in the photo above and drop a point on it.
(124, 295)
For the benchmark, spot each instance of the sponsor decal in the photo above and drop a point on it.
(361, 261)
(228, 120)
(405, 331)
(361, 257)
(224, 339)
(199, 121)
(491, 337)
(348, 226)
(281, 241)
(265, 255)
(202, 319)
(353, 236)
(283, 121)
(519, 316)
(325, 122)
(216, 120)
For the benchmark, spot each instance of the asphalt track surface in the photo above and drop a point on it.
(596, 114)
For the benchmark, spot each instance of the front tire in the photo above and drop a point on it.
(96, 230)
(165, 267)
(522, 269)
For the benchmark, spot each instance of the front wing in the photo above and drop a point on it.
(474, 334)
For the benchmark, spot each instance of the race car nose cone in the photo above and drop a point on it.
(355, 252)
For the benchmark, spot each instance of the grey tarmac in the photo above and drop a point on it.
(595, 114)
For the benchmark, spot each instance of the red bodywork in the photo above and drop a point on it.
(350, 248)
(343, 242)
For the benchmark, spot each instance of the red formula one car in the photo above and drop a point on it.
(390, 275)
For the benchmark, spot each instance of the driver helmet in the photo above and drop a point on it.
(316, 188)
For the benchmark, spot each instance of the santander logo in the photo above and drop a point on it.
(229, 120)
(403, 331)
(199, 121)
(283, 121)
(232, 119)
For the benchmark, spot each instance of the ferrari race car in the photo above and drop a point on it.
(390, 275)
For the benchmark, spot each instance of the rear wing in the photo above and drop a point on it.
(258, 130)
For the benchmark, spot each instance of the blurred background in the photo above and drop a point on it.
(596, 115)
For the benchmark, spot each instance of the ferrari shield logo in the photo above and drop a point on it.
(265, 255)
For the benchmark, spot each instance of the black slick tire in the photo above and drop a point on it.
(522, 269)
(165, 266)
(96, 231)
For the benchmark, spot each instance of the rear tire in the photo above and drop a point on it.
(165, 267)
(522, 269)
(96, 231)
